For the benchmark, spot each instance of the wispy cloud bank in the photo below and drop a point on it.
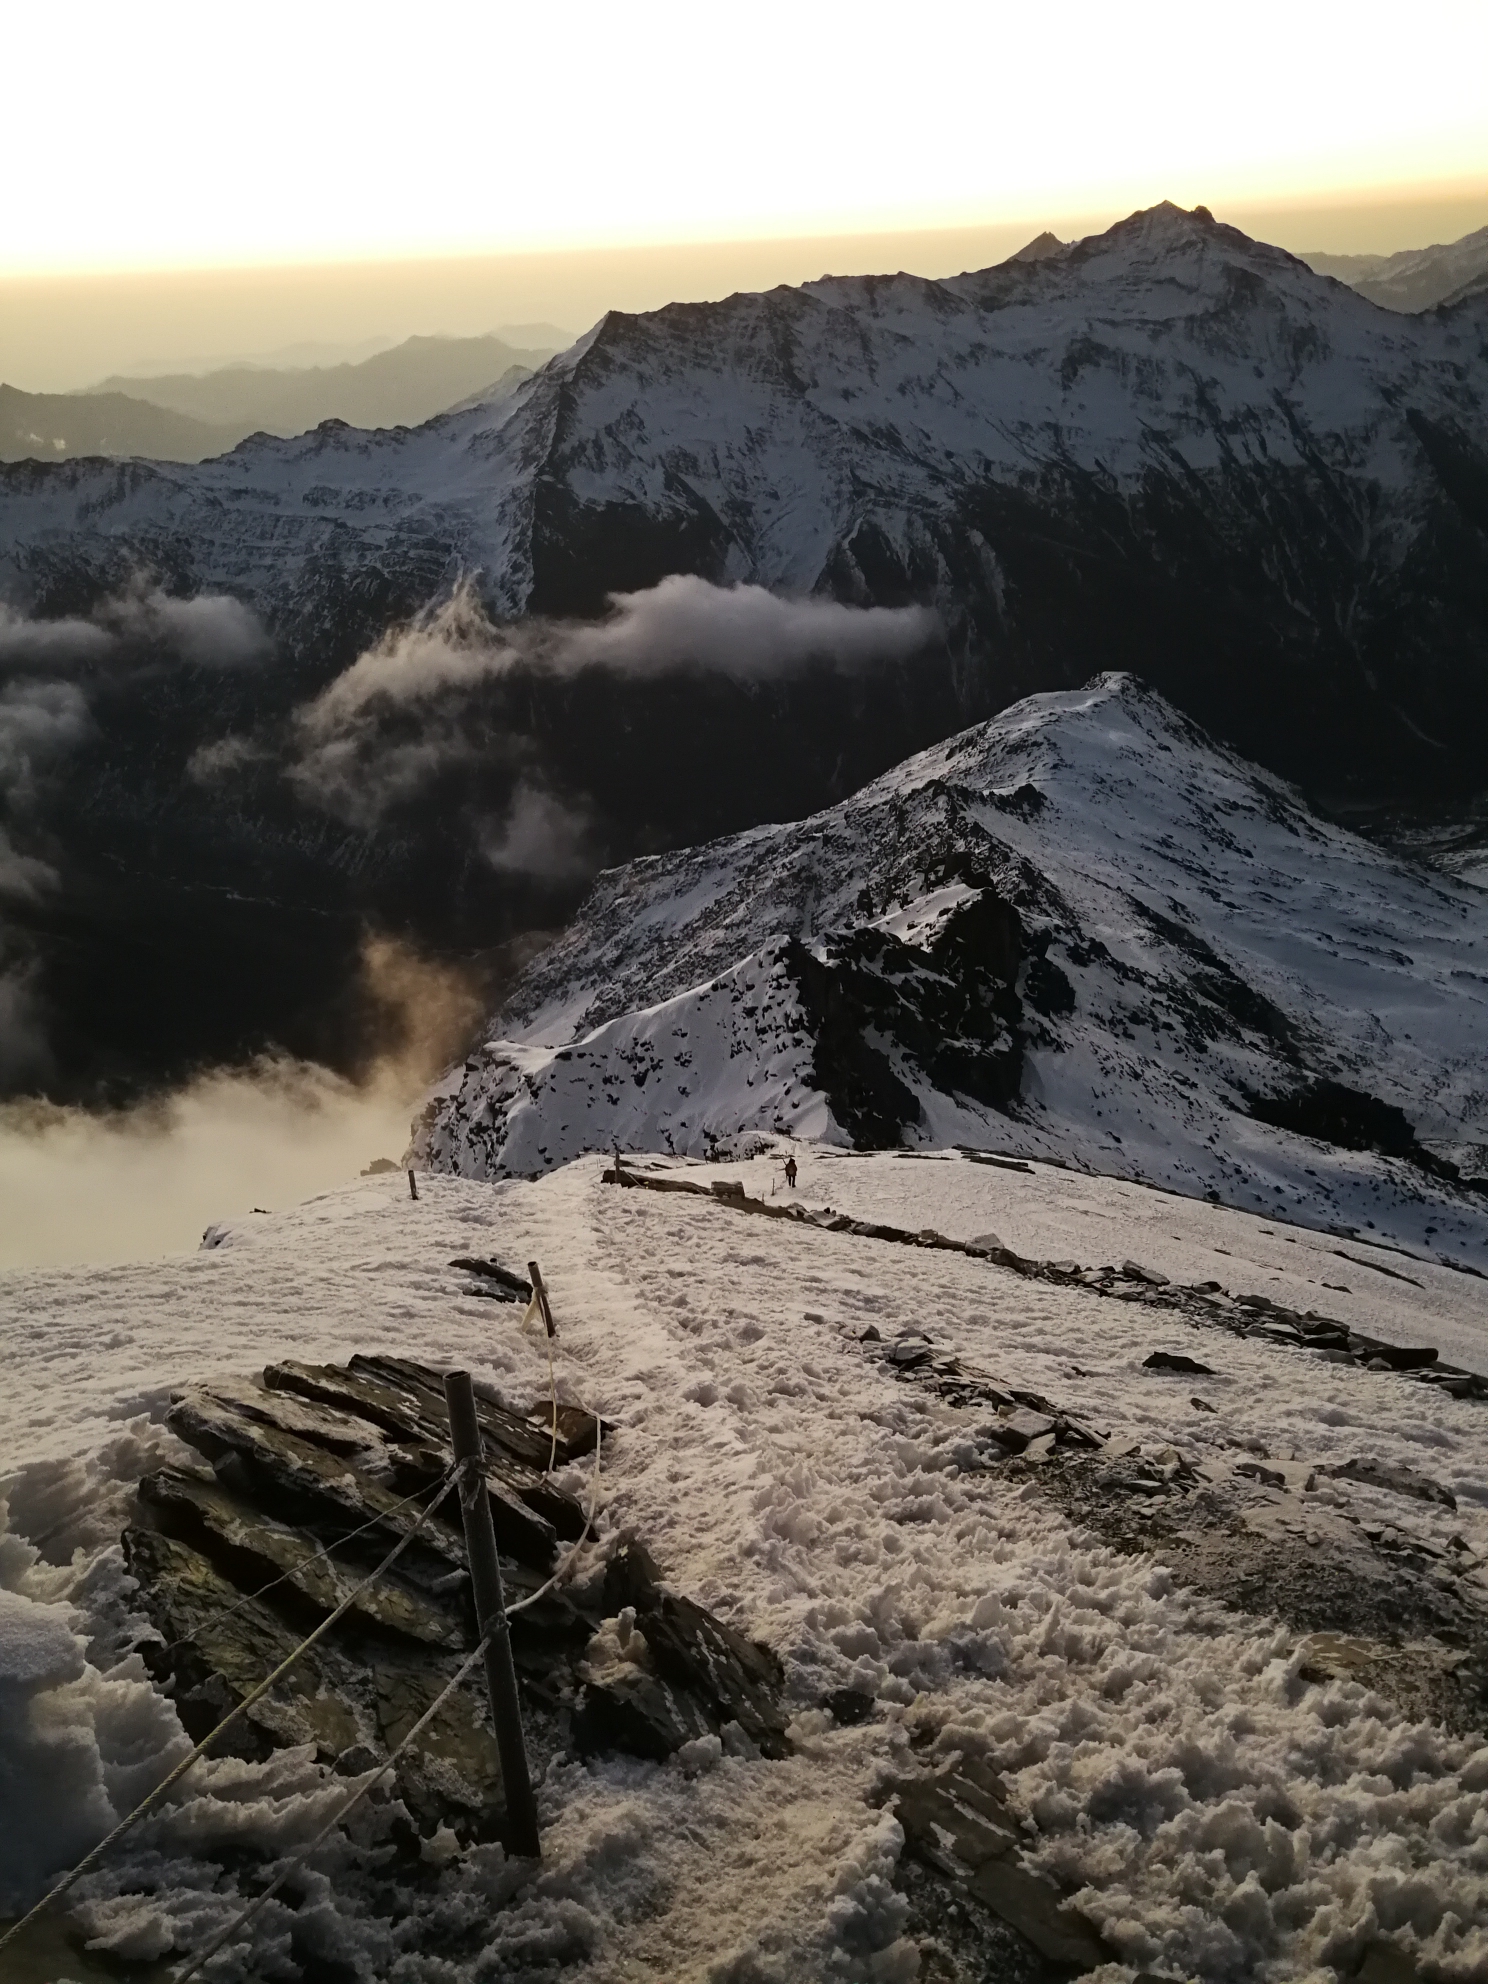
(740, 631)
(212, 630)
(392, 721)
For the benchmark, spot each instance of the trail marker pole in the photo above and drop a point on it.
(539, 1289)
(490, 1612)
(412, 1184)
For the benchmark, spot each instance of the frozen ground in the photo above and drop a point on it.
(1219, 1812)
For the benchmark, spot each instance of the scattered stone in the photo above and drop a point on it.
(1202, 1405)
(1174, 1360)
(1397, 1479)
(507, 1287)
(849, 1706)
(1206, 1302)
(957, 1821)
(1134, 1271)
(1254, 1470)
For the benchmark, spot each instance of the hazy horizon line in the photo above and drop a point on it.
(63, 331)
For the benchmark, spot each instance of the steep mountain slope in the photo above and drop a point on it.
(1416, 278)
(1166, 447)
(60, 426)
(397, 388)
(1079, 931)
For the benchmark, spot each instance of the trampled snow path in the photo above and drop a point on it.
(1229, 1818)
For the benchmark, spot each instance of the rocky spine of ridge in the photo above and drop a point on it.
(1080, 931)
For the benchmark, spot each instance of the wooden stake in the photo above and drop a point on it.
(490, 1612)
(534, 1274)
(412, 1184)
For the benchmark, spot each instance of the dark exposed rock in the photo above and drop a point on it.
(309, 1487)
(506, 1286)
(849, 1706)
(1175, 1360)
(1399, 1480)
(734, 1679)
(640, 1714)
(958, 1822)
(1332, 1113)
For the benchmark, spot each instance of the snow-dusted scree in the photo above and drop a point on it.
(1078, 931)
(1215, 1784)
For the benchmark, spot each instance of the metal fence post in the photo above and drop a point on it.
(490, 1612)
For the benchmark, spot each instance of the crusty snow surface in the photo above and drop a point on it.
(1220, 1816)
(1220, 940)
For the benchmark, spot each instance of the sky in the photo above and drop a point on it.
(176, 136)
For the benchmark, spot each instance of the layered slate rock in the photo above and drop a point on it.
(310, 1475)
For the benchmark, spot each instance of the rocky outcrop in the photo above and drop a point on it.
(313, 1472)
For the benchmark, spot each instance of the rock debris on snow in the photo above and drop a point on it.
(1125, 1641)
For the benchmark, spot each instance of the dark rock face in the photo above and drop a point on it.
(1354, 1120)
(951, 1010)
(314, 1474)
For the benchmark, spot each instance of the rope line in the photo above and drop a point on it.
(345, 1810)
(295, 1569)
(593, 1509)
(342, 1813)
(146, 1804)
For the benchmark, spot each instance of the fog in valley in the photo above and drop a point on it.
(130, 1184)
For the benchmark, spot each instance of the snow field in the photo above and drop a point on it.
(1221, 1816)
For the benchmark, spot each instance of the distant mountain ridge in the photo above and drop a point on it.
(1166, 447)
(61, 426)
(1416, 278)
(401, 387)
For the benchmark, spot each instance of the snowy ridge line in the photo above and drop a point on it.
(1242, 1315)
(152, 1798)
(1080, 932)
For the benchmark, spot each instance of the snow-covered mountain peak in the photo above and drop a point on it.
(1078, 930)
(1166, 446)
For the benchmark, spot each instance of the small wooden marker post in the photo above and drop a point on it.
(490, 1613)
(412, 1184)
(539, 1289)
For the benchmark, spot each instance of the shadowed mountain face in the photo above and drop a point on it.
(1168, 449)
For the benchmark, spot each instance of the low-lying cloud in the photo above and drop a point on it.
(392, 722)
(744, 632)
(541, 836)
(211, 630)
(740, 631)
(80, 1185)
(39, 720)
